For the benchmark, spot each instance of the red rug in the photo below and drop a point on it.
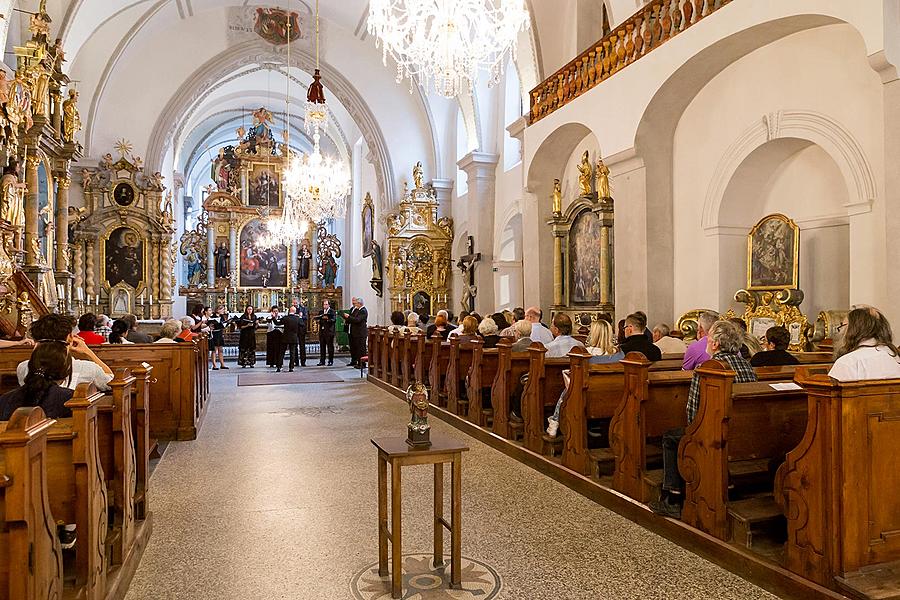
(303, 375)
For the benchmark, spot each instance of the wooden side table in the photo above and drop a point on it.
(399, 454)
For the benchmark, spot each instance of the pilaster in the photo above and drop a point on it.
(480, 169)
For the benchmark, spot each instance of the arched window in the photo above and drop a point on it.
(513, 109)
(462, 148)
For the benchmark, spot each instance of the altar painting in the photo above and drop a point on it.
(772, 254)
(261, 267)
(124, 258)
(263, 186)
(584, 254)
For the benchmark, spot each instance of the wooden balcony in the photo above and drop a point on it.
(637, 36)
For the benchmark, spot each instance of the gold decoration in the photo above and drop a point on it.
(557, 197)
(585, 174)
(773, 250)
(602, 177)
(417, 175)
(71, 117)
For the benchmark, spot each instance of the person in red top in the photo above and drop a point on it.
(86, 325)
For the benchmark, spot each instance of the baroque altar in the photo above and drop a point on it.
(227, 257)
(583, 259)
(122, 241)
(419, 252)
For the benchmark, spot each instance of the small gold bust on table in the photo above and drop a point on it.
(418, 429)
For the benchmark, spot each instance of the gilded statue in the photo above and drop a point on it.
(557, 197)
(71, 117)
(417, 175)
(12, 197)
(4, 87)
(585, 174)
(602, 173)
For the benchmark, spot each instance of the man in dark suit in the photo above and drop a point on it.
(303, 317)
(326, 321)
(357, 317)
(290, 339)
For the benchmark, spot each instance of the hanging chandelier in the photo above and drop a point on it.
(447, 41)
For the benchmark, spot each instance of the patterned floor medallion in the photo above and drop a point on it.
(421, 581)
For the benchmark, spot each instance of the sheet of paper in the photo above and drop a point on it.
(784, 387)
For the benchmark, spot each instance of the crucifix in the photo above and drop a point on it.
(466, 264)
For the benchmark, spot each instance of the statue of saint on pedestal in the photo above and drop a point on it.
(329, 269)
(602, 172)
(12, 196)
(585, 174)
(557, 197)
(304, 258)
(71, 117)
(222, 254)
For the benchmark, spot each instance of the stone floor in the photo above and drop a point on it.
(276, 499)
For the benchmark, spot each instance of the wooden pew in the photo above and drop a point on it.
(373, 346)
(384, 356)
(479, 382)
(839, 484)
(458, 366)
(510, 368)
(545, 384)
(395, 339)
(27, 527)
(140, 429)
(737, 424)
(437, 369)
(407, 360)
(420, 368)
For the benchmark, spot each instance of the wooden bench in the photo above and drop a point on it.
(437, 369)
(479, 382)
(408, 355)
(739, 428)
(542, 390)
(510, 368)
(457, 367)
(839, 486)
(385, 357)
(395, 339)
(374, 346)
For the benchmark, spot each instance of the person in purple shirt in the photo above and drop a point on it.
(696, 355)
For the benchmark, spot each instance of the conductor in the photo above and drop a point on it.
(326, 333)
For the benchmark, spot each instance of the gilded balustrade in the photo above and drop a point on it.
(638, 35)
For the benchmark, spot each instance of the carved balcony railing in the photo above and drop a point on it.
(647, 29)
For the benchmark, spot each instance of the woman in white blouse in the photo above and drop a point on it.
(866, 350)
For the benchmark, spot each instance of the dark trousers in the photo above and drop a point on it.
(326, 344)
(357, 349)
(293, 351)
(672, 481)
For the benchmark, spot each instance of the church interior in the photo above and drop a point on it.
(629, 257)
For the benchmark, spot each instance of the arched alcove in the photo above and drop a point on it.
(509, 287)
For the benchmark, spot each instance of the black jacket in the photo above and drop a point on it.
(640, 343)
(303, 315)
(357, 318)
(291, 324)
(773, 358)
(326, 321)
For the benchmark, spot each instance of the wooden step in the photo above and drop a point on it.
(743, 468)
(604, 461)
(875, 582)
(652, 483)
(747, 516)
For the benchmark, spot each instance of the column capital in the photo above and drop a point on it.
(479, 164)
(516, 129)
(442, 186)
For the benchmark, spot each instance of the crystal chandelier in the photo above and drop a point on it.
(447, 41)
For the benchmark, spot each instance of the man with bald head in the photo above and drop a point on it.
(539, 333)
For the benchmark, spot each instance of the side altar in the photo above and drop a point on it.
(228, 257)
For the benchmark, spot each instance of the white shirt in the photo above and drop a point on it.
(561, 346)
(165, 340)
(455, 332)
(541, 334)
(83, 371)
(670, 345)
(866, 362)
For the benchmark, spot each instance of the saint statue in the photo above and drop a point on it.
(120, 303)
(304, 256)
(12, 201)
(329, 269)
(602, 173)
(222, 254)
(71, 117)
(376, 261)
(417, 174)
(585, 174)
(557, 197)
(194, 267)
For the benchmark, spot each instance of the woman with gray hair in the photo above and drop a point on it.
(488, 331)
(412, 323)
(168, 332)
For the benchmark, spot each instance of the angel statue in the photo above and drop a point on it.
(585, 174)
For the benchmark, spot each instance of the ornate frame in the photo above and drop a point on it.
(795, 254)
(249, 168)
(242, 224)
(129, 294)
(104, 280)
(368, 207)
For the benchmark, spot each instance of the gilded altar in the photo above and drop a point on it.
(419, 252)
(228, 257)
(122, 248)
(583, 260)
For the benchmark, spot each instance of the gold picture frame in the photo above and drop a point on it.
(368, 225)
(259, 174)
(144, 256)
(773, 254)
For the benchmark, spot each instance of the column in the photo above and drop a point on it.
(32, 224)
(480, 169)
(90, 276)
(62, 221)
(443, 189)
(235, 255)
(605, 264)
(78, 265)
(165, 292)
(210, 257)
(558, 296)
(153, 274)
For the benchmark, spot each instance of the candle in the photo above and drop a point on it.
(151, 299)
(97, 299)
(142, 298)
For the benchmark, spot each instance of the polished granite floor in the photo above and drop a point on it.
(276, 499)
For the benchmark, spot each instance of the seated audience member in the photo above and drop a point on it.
(563, 342)
(723, 340)
(584, 324)
(168, 332)
(441, 326)
(412, 323)
(518, 314)
(186, 335)
(539, 332)
(87, 369)
(104, 326)
(429, 330)
(696, 355)
(119, 333)
(866, 349)
(665, 342)
(86, 324)
(777, 341)
(134, 336)
(469, 330)
(620, 332)
(397, 322)
(600, 339)
(49, 366)
(488, 331)
(454, 331)
(522, 330)
(643, 316)
(751, 345)
(636, 340)
(500, 321)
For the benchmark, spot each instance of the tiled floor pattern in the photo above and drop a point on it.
(276, 499)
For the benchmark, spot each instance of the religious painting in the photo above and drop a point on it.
(368, 225)
(277, 26)
(584, 258)
(261, 266)
(123, 194)
(121, 301)
(773, 248)
(124, 257)
(421, 303)
(264, 186)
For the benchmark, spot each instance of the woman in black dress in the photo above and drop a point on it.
(217, 324)
(274, 332)
(247, 344)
